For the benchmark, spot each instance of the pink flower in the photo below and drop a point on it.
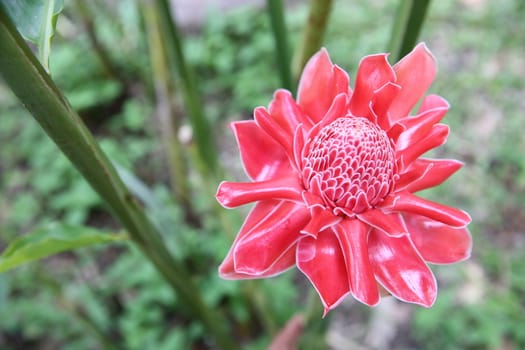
(334, 175)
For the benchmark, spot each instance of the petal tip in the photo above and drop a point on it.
(222, 195)
(226, 270)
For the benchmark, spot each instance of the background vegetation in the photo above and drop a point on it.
(111, 297)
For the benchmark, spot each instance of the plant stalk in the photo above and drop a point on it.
(168, 120)
(312, 35)
(193, 102)
(276, 12)
(38, 93)
(107, 64)
(409, 20)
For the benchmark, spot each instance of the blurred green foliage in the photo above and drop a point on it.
(101, 296)
(490, 317)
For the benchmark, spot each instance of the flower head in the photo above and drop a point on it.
(333, 180)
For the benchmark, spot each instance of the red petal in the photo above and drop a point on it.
(431, 102)
(436, 137)
(298, 146)
(262, 157)
(415, 72)
(420, 125)
(407, 202)
(337, 109)
(438, 243)
(321, 220)
(322, 261)
(401, 270)
(341, 81)
(313, 201)
(425, 173)
(233, 194)
(283, 263)
(260, 212)
(287, 113)
(320, 82)
(353, 237)
(383, 98)
(390, 224)
(267, 123)
(374, 72)
(258, 250)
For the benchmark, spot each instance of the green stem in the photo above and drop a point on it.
(78, 311)
(35, 89)
(82, 8)
(259, 302)
(409, 20)
(276, 12)
(169, 122)
(201, 127)
(312, 36)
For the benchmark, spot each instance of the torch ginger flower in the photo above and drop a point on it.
(333, 181)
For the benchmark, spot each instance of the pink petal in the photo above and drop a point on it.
(233, 194)
(420, 125)
(432, 102)
(313, 201)
(257, 251)
(298, 146)
(260, 212)
(407, 202)
(401, 270)
(321, 219)
(382, 99)
(282, 136)
(374, 72)
(426, 173)
(415, 73)
(320, 82)
(322, 261)
(390, 224)
(353, 238)
(262, 157)
(438, 243)
(287, 113)
(436, 137)
(283, 263)
(337, 110)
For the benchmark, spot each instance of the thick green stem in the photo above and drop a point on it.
(35, 89)
(407, 26)
(312, 36)
(194, 105)
(276, 12)
(169, 122)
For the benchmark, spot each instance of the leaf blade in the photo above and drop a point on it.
(36, 21)
(52, 239)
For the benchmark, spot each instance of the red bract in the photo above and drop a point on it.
(333, 181)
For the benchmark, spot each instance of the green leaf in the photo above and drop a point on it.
(52, 239)
(36, 21)
(408, 23)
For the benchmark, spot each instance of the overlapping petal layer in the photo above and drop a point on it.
(336, 197)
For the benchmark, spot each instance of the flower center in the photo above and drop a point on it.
(350, 164)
